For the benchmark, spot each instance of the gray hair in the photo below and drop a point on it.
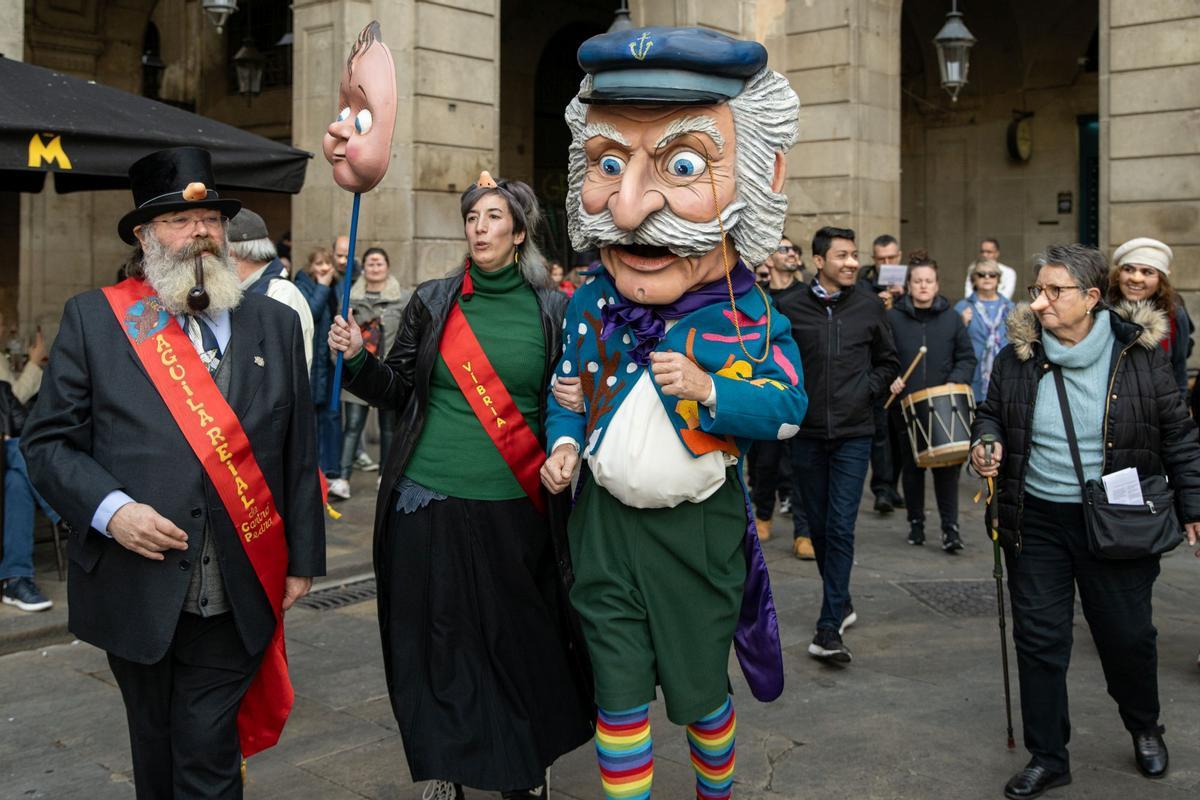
(253, 250)
(526, 215)
(765, 122)
(1086, 265)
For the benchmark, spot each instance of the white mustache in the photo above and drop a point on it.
(663, 228)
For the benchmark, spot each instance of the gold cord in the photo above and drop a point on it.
(737, 326)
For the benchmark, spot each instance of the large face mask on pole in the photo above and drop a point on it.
(358, 142)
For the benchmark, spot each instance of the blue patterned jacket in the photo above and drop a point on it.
(754, 401)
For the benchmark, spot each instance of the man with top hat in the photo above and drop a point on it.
(174, 432)
(676, 171)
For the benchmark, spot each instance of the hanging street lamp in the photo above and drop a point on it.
(954, 43)
(218, 11)
(249, 63)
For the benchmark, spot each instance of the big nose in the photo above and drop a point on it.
(342, 129)
(1041, 303)
(637, 197)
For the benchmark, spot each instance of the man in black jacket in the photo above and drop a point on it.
(849, 362)
(185, 600)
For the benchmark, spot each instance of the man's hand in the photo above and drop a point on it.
(294, 589)
(569, 394)
(559, 467)
(138, 527)
(345, 335)
(979, 461)
(680, 377)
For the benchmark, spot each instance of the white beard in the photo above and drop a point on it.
(173, 274)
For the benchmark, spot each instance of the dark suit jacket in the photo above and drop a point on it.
(100, 425)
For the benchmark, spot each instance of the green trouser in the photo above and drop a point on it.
(659, 591)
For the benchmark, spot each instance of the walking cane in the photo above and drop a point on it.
(916, 360)
(989, 443)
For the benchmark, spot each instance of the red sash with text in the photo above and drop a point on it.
(493, 405)
(216, 437)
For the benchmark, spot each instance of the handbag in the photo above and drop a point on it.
(1116, 531)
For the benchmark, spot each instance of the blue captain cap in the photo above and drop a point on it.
(679, 66)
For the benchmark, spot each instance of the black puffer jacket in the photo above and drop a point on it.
(848, 356)
(949, 357)
(1146, 424)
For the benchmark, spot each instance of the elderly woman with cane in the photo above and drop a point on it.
(1084, 391)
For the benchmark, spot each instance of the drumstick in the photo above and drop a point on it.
(908, 372)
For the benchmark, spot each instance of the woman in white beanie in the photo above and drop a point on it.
(1141, 273)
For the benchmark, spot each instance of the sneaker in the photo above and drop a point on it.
(443, 790)
(951, 541)
(827, 646)
(24, 594)
(785, 506)
(916, 533)
(802, 549)
(883, 505)
(339, 488)
(848, 618)
(364, 462)
(764, 529)
(537, 793)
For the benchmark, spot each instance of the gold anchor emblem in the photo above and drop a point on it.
(641, 46)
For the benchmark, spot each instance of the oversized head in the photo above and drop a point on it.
(676, 164)
(358, 143)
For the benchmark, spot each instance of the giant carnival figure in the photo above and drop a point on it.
(676, 176)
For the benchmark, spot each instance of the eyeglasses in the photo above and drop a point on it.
(987, 274)
(186, 223)
(1052, 292)
(786, 248)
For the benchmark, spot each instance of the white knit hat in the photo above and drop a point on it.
(1147, 252)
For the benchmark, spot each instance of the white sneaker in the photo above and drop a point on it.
(339, 488)
(363, 461)
(442, 790)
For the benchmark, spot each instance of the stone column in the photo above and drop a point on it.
(446, 125)
(843, 60)
(1150, 130)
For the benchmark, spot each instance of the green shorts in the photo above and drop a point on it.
(659, 592)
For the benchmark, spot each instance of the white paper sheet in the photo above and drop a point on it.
(891, 275)
(1124, 487)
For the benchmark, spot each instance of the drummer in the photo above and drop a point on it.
(922, 317)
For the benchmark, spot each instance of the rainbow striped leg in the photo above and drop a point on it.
(711, 740)
(625, 752)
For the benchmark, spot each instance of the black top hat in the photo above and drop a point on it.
(172, 180)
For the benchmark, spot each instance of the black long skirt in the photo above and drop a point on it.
(471, 620)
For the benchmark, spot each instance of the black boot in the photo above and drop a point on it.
(916, 532)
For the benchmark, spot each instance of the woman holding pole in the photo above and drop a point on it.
(1082, 391)
(488, 683)
(930, 334)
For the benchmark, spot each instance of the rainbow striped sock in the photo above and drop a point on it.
(711, 740)
(625, 752)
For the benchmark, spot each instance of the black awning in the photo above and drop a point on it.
(89, 134)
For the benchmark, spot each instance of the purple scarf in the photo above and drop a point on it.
(648, 324)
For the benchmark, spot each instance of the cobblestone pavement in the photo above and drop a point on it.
(919, 714)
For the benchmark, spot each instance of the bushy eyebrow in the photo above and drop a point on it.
(605, 130)
(679, 127)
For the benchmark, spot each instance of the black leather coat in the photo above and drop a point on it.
(1146, 424)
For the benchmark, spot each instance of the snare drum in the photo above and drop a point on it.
(938, 421)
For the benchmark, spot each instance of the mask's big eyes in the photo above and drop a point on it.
(362, 121)
(685, 164)
(612, 166)
(344, 114)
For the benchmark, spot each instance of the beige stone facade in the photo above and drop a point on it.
(482, 84)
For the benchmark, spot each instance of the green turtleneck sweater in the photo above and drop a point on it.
(455, 455)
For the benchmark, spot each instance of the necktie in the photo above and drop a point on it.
(205, 341)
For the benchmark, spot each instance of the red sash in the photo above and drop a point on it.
(494, 407)
(216, 437)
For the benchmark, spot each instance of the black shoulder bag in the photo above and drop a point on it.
(1118, 532)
